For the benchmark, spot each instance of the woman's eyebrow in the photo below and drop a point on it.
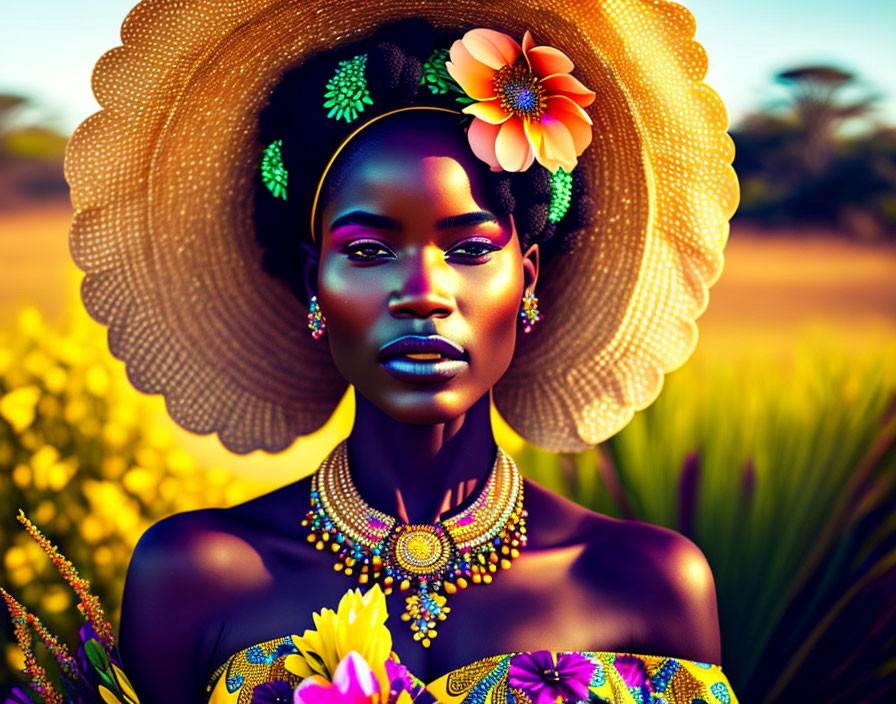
(360, 217)
(383, 222)
(466, 220)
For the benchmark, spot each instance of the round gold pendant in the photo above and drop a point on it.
(421, 549)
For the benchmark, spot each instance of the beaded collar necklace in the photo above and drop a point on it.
(431, 562)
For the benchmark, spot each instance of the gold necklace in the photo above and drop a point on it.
(431, 562)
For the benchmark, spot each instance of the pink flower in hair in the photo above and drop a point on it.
(528, 105)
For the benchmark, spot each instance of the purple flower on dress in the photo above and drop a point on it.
(276, 692)
(399, 676)
(544, 680)
(634, 672)
(401, 680)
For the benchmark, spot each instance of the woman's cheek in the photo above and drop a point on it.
(348, 303)
(497, 300)
(344, 291)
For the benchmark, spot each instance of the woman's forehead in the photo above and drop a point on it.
(443, 175)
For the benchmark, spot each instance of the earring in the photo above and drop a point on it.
(316, 320)
(529, 312)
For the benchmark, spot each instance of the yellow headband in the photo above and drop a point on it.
(345, 141)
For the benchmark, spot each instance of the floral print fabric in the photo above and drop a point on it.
(538, 677)
(544, 677)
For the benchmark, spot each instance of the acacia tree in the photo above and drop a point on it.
(817, 103)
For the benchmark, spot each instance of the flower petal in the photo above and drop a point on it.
(474, 77)
(512, 147)
(570, 86)
(632, 669)
(575, 667)
(533, 134)
(361, 628)
(314, 690)
(558, 148)
(528, 41)
(482, 136)
(526, 670)
(574, 118)
(488, 110)
(529, 161)
(354, 679)
(546, 60)
(494, 49)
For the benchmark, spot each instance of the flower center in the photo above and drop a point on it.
(519, 91)
(552, 675)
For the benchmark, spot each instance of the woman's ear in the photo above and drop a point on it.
(310, 262)
(530, 268)
(530, 262)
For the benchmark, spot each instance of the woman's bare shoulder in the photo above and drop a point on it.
(185, 572)
(206, 545)
(560, 521)
(663, 574)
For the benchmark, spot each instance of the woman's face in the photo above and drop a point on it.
(411, 256)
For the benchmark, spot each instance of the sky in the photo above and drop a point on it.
(48, 48)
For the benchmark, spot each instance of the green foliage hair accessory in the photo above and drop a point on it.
(347, 90)
(273, 173)
(561, 194)
(438, 80)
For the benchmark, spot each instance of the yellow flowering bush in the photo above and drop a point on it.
(82, 453)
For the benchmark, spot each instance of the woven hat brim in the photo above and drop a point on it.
(162, 182)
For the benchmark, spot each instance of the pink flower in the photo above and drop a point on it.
(353, 683)
(529, 107)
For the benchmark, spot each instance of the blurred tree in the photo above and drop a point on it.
(10, 104)
(31, 155)
(817, 103)
(798, 166)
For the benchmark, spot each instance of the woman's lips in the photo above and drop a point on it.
(409, 345)
(407, 368)
(423, 358)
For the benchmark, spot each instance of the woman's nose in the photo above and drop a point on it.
(424, 290)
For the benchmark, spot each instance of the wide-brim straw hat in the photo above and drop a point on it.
(162, 181)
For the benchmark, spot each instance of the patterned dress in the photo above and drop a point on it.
(540, 677)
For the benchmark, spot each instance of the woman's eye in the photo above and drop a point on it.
(473, 249)
(366, 251)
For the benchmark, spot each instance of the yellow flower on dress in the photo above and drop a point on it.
(529, 106)
(358, 624)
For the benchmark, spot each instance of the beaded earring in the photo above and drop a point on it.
(317, 323)
(529, 312)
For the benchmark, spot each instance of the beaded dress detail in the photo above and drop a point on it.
(430, 562)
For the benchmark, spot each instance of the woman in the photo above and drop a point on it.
(416, 238)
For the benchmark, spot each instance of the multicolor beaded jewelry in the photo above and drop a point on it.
(529, 312)
(317, 323)
(431, 562)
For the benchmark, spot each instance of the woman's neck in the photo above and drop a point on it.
(417, 472)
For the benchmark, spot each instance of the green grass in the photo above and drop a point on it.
(782, 471)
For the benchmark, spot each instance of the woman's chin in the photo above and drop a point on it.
(424, 405)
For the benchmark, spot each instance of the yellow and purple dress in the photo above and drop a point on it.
(257, 674)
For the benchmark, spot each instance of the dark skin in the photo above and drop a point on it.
(205, 584)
